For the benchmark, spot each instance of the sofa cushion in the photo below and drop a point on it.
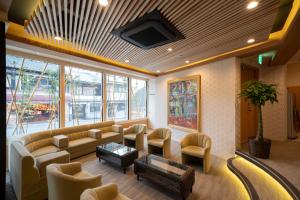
(45, 150)
(78, 135)
(44, 160)
(193, 151)
(130, 136)
(110, 135)
(156, 142)
(81, 144)
(82, 174)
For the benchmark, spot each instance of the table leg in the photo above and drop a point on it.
(138, 177)
(124, 170)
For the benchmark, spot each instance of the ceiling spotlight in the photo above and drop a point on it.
(127, 61)
(57, 38)
(158, 71)
(187, 61)
(170, 49)
(103, 2)
(251, 40)
(252, 4)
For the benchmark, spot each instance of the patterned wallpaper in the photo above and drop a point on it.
(275, 116)
(218, 103)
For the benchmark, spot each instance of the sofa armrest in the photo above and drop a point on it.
(152, 135)
(184, 142)
(109, 191)
(70, 168)
(95, 133)
(117, 128)
(58, 157)
(61, 141)
(128, 130)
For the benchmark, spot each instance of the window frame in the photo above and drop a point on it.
(88, 67)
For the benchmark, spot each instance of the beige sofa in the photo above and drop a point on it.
(30, 155)
(106, 192)
(28, 174)
(197, 146)
(68, 181)
(78, 141)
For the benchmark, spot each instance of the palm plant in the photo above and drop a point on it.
(259, 93)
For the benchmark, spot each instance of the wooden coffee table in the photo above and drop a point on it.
(118, 154)
(176, 177)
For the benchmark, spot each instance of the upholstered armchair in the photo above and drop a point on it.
(135, 134)
(106, 192)
(160, 139)
(197, 146)
(68, 181)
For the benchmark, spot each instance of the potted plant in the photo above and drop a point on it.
(259, 93)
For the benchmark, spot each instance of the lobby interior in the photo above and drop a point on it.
(150, 99)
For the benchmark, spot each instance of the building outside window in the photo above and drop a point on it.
(32, 95)
(117, 97)
(83, 96)
(138, 100)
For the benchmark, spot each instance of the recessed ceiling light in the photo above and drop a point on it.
(57, 38)
(103, 2)
(127, 61)
(251, 40)
(252, 4)
(158, 71)
(170, 49)
(187, 61)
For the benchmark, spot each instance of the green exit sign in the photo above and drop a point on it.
(266, 55)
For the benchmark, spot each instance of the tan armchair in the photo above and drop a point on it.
(135, 134)
(160, 139)
(68, 181)
(198, 146)
(106, 192)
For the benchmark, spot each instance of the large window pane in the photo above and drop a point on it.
(32, 101)
(117, 97)
(83, 96)
(138, 100)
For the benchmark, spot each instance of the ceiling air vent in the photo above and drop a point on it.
(151, 30)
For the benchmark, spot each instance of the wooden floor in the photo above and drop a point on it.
(219, 184)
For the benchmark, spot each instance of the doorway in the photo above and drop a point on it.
(248, 110)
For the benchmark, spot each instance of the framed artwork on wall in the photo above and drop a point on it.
(184, 103)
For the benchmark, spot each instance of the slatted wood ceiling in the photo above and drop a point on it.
(211, 27)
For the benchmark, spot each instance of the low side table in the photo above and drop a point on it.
(118, 154)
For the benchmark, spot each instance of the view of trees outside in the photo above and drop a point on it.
(138, 100)
(83, 96)
(32, 89)
(33, 101)
(117, 97)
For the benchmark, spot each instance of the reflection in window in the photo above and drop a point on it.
(117, 97)
(83, 96)
(138, 100)
(32, 95)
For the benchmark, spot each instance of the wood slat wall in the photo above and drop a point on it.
(210, 27)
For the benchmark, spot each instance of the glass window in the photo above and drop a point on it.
(117, 97)
(83, 96)
(138, 100)
(32, 95)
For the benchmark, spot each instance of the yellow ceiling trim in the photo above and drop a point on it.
(274, 40)
(16, 32)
